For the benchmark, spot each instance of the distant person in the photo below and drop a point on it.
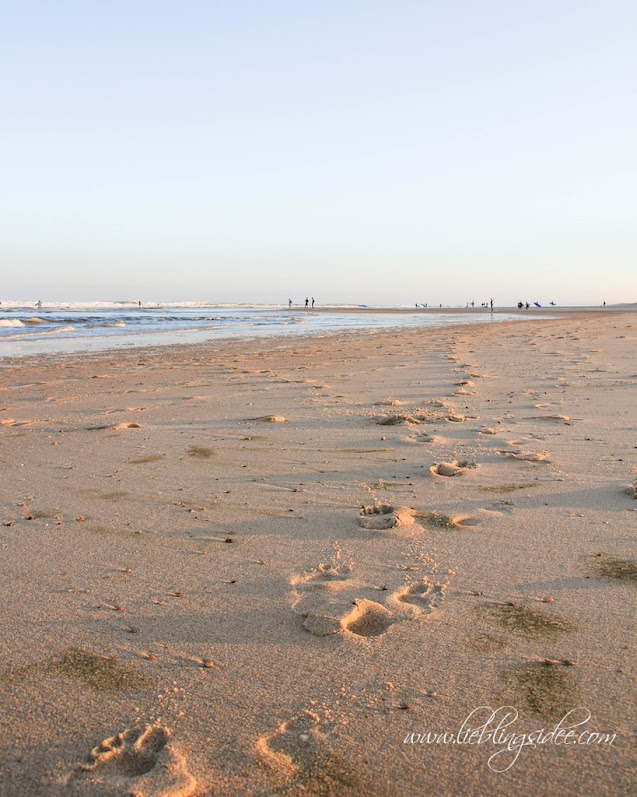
(520, 305)
(307, 301)
(604, 305)
(290, 303)
(473, 304)
(527, 305)
(139, 304)
(39, 305)
(312, 302)
(491, 302)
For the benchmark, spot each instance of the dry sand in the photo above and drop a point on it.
(256, 569)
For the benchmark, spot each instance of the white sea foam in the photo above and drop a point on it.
(10, 322)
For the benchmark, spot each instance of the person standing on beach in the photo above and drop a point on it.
(290, 303)
(491, 302)
(312, 303)
(307, 301)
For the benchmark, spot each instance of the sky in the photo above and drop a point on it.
(354, 151)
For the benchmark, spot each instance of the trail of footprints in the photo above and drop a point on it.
(334, 599)
(331, 599)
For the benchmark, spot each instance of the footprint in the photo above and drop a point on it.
(395, 418)
(321, 575)
(140, 763)
(298, 754)
(433, 439)
(456, 468)
(527, 456)
(126, 425)
(293, 746)
(330, 602)
(501, 507)
(631, 489)
(384, 516)
(424, 596)
(367, 618)
(487, 430)
(437, 520)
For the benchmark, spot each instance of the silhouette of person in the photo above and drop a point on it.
(307, 301)
(312, 302)
(290, 303)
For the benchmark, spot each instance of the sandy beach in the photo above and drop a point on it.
(291, 566)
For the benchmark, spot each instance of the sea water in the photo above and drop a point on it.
(97, 326)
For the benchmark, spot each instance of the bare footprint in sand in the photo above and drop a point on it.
(500, 508)
(422, 597)
(292, 747)
(395, 418)
(419, 415)
(359, 616)
(385, 516)
(367, 618)
(439, 521)
(527, 456)
(334, 571)
(298, 754)
(327, 600)
(140, 763)
(456, 468)
(432, 439)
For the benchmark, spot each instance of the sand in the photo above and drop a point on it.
(274, 567)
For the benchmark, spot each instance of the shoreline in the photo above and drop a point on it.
(16, 361)
(188, 554)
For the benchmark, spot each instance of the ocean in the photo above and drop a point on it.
(73, 327)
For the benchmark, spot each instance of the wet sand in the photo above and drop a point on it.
(259, 568)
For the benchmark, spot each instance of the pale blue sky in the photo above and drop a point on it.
(374, 152)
